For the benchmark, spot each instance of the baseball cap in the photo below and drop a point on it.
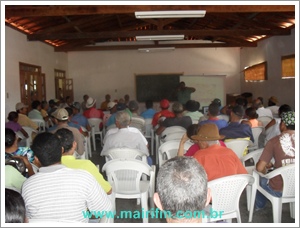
(133, 105)
(164, 103)
(61, 114)
(20, 105)
(111, 104)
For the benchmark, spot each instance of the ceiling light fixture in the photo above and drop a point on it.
(160, 37)
(170, 14)
(161, 49)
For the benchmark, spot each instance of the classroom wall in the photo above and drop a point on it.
(270, 50)
(100, 72)
(18, 49)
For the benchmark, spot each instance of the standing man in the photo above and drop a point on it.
(184, 93)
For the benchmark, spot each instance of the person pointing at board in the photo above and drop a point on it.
(184, 93)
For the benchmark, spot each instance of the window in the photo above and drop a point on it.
(256, 72)
(288, 66)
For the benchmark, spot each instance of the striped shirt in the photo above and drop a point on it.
(57, 192)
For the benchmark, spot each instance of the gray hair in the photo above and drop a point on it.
(177, 107)
(182, 185)
(123, 118)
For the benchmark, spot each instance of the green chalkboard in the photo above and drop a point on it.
(156, 87)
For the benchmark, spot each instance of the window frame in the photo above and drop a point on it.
(285, 58)
(253, 68)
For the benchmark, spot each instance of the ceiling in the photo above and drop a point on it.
(103, 27)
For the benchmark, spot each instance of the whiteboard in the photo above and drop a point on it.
(208, 87)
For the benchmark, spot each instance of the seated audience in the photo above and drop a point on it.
(104, 104)
(91, 111)
(23, 119)
(61, 118)
(218, 161)
(235, 129)
(182, 189)
(83, 103)
(149, 112)
(273, 106)
(213, 112)
(67, 139)
(35, 112)
(78, 118)
(14, 125)
(192, 110)
(252, 116)
(282, 149)
(261, 110)
(191, 130)
(125, 137)
(178, 120)
(164, 105)
(15, 211)
(112, 107)
(58, 192)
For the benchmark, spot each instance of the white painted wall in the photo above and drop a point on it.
(270, 50)
(100, 72)
(18, 49)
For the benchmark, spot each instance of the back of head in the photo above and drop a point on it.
(35, 104)
(192, 105)
(241, 101)
(238, 111)
(251, 113)
(284, 108)
(133, 106)
(47, 148)
(257, 103)
(69, 110)
(149, 104)
(123, 118)
(12, 116)
(14, 207)
(10, 137)
(213, 109)
(177, 107)
(192, 130)
(66, 138)
(288, 118)
(182, 185)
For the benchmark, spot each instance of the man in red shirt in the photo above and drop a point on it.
(91, 111)
(218, 161)
(164, 105)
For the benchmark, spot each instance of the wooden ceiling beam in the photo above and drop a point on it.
(34, 11)
(132, 47)
(116, 34)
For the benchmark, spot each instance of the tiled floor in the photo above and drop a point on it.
(262, 216)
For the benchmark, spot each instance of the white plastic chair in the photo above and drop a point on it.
(256, 131)
(41, 124)
(288, 192)
(174, 130)
(95, 130)
(125, 177)
(254, 157)
(265, 120)
(116, 153)
(149, 133)
(226, 192)
(138, 123)
(238, 146)
(29, 131)
(223, 117)
(169, 150)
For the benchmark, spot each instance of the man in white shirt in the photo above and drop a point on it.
(260, 110)
(57, 192)
(125, 137)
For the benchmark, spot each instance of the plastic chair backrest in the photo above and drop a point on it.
(128, 153)
(148, 127)
(223, 117)
(125, 174)
(176, 131)
(41, 124)
(169, 149)
(265, 120)
(238, 146)
(29, 131)
(138, 123)
(256, 131)
(226, 192)
(94, 123)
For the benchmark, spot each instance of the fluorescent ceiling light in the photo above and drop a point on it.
(160, 37)
(170, 14)
(161, 49)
